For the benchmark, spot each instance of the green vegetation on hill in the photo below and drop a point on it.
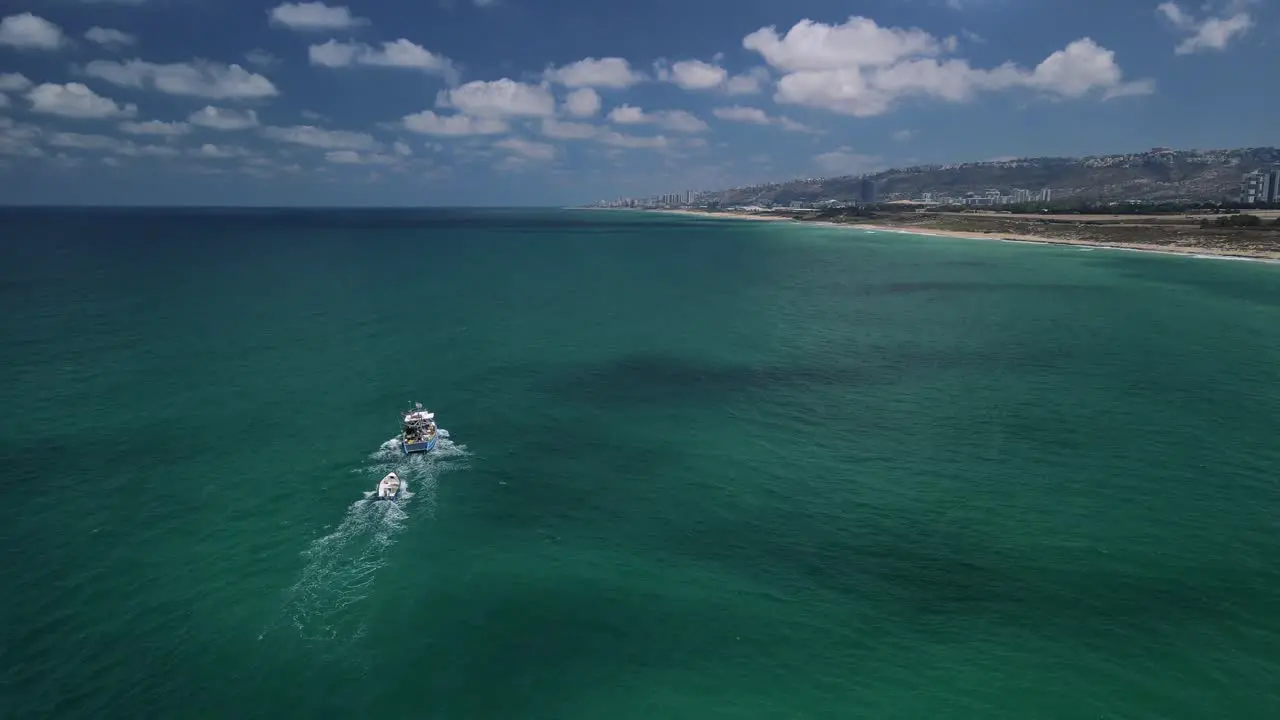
(1183, 177)
(1091, 207)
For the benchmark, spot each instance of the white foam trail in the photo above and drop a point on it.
(341, 566)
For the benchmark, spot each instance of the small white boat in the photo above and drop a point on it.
(389, 487)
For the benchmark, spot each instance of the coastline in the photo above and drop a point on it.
(1004, 234)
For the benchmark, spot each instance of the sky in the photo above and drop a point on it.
(557, 102)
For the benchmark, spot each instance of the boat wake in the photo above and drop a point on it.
(341, 566)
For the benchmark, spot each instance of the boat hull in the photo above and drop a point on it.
(420, 447)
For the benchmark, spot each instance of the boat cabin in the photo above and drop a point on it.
(389, 486)
(418, 426)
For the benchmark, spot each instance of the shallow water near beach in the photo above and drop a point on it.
(693, 468)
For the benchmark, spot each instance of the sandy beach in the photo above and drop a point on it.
(1055, 234)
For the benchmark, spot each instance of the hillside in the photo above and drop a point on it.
(1158, 174)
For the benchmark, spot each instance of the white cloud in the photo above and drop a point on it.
(429, 123)
(499, 98)
(697, 75)
(63, 160)
(583, 102)
(1078, 69)
(261, 167)
(312, 136)
(610, 72)
(620, 140)
(862, 69)
(221, 152)
(903, 135)
(790, 125)
(527, 148)
(106, 143)
(398, 54)
(308, 16)
(756, 116)
(109, 38)
(18, 139)
(351, 157)
(677, 120)
(562, 130)
(261, 58)
(748, 83)
(153, 151)
(217, 118)
(402, 149)
(738, 113)
(1211, 33)
(75, 100)
(14, 82)
(11, 127)
(859, 42)
(155, 127)
(680, 121)
(1175, 15)
(627, 115)
(4, 101)
(199, 78)
(30, 32)
(844, 161)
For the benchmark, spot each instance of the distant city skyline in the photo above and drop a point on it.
(1256, 187)
(868, 195)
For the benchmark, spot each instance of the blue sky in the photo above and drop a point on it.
(549, 102)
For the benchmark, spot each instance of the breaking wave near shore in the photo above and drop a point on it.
(341, 566)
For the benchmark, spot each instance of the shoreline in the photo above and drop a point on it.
(1194, 251)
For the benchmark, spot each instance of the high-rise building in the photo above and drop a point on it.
(867, 191)
(1257, 187)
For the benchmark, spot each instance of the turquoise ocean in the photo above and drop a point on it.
(694, 468)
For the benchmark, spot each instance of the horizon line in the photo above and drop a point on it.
(102, 206)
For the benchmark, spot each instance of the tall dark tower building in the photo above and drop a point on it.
(868, 194)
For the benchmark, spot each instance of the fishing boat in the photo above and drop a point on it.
(389, 487)
(418, 431)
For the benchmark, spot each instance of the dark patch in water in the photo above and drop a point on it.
(652, 378)
(923, 569)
